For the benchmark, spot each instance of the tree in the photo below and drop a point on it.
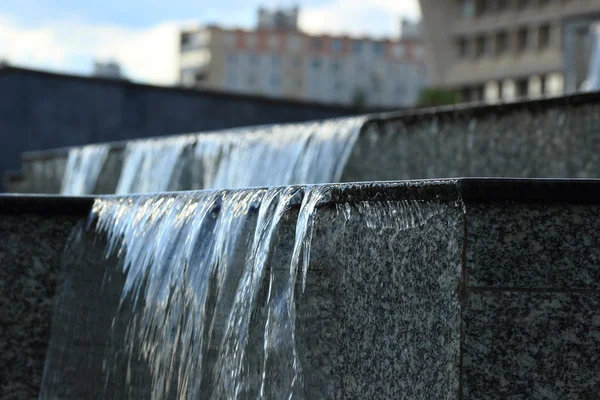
(438, 97)
(359, 98)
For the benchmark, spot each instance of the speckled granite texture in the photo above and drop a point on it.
(528, 140)
(531, 320)
(541, 246)
(524, 345)
(380, 317)
(30, 251)
(494, 300)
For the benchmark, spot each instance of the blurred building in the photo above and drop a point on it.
(283, 62)
(108, 69)
(504, 49)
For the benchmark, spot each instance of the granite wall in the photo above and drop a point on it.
(492, 297)
(534, 139)
(40, 110)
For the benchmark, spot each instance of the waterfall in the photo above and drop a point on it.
(306, 153)
(83, 168)
(152, 165)
(196, 292)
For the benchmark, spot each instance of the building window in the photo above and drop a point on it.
(251, 41)
(467, 9)
(337, 46)
(297, 62)
(276, 61)
(482, 7)
(378, 49)
(273, 42)
(522, 39)
(232, 59)
(480, 45)
(357, 47)
(522, 87)
(295, 43)
(231, 80)
(254, 59)
(501, 43)
(335, 66)
(229, 40)
(316, 63)
(316, 44)
(544, 37)
(251, 80)
(398, 51)
(338, 86)
(463, 47)
(275, 81)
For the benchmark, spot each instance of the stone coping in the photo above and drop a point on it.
(470, 190)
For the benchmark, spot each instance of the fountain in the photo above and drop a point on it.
(531, 139)
(263, 288)
(436, 289)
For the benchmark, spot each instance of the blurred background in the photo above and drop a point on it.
(381, 53)
(74, 73)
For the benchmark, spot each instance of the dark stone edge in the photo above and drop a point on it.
(527, 190)
(45, 204)
(470, 190)
(471, 110)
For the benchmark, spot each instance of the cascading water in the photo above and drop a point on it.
(83, 167)
(306, 153)
(206, 309)
(152, 165)
(275, 155)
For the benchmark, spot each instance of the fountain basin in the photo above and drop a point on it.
(487, 289)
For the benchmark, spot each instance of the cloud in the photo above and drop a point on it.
(358, 17)
(145, 54)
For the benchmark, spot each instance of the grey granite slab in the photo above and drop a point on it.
(542, 246)
(30, 249)
(528, 345)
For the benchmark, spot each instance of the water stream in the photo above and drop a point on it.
(273, 155)
(83, 168)
(202, 298)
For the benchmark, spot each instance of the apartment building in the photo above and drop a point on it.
(494, 50)
(285, 62)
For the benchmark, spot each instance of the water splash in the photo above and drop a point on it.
(183, 279)
(83, 168)
(153, 165)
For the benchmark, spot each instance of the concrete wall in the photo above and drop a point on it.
(41, 110)
(493, 297)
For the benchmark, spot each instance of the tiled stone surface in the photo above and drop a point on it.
(30, 251)
(533, 246)
(380, 316)
(526, 142)
(521, 345)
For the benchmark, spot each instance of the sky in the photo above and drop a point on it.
(142, 36)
